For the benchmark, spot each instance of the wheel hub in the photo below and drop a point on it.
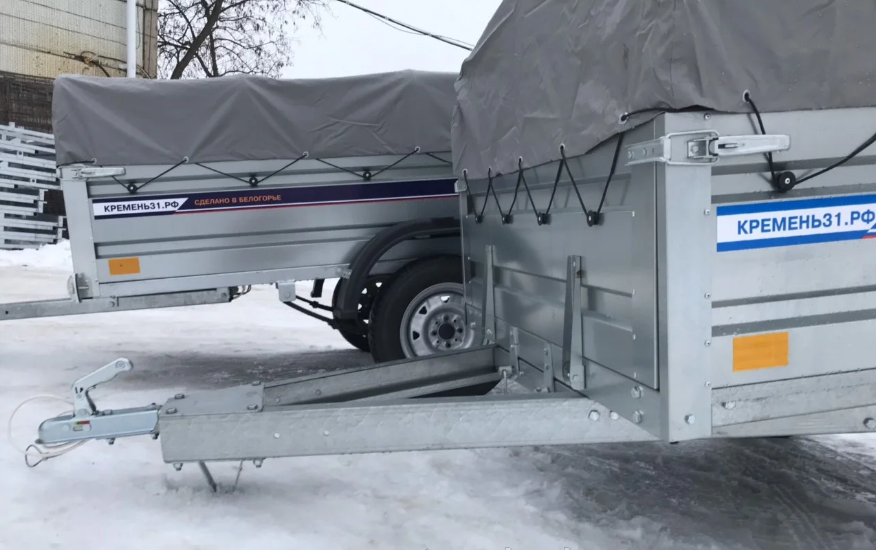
(434, 322)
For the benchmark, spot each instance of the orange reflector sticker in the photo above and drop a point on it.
(124, 266)
(764, 351)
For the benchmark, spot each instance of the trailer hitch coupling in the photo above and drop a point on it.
(87, 422)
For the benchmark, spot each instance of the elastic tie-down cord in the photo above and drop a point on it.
(594, 217)
(254, 181)
(132, 188)
(367, 175)
(787, 180)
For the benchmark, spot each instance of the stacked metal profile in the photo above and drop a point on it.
(27, 174)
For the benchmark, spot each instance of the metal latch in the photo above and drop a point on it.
(707, 147)
(733, 146)
(98, 172)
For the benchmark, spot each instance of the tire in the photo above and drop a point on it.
(366, 300)
(421, 311)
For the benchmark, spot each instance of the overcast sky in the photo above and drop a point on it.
(351, 42)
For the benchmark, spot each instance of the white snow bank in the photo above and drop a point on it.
(52, 256)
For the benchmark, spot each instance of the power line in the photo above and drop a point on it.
(385, 19)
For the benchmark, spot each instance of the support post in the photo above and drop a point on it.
(489, 301)
(573, 342)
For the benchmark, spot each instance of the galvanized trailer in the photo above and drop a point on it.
(166, 216)
(696, 274)
(661, 323)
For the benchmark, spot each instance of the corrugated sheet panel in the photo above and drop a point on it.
(50, 37)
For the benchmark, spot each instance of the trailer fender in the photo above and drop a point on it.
(351, 288)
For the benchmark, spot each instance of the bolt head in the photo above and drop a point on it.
(252, 407)
(690, 419)
(121, 364)
(707, 116)
(708, 343)
(179, 396)
(171, 410)
(594, 415)
(638, 417)
(276, 436)
(258, 462)
(729, 405)
(707, 212)
(707, 295)
(708, 384)
(870, 423)
(613, 415)
(636, 392)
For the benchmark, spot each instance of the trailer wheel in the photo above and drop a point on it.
(366, 300)
(420, 312)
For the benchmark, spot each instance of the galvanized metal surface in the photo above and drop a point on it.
(27, 171)
(395, 380)
(240, 247)
(793, 398)
(71, 306)
(458, 423)
(108, 424)
(661, 307)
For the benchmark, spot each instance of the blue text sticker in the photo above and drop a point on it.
(788, 223)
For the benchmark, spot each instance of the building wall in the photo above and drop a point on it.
(45, 38)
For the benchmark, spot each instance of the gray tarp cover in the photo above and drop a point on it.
(121, 121)
(547, 72)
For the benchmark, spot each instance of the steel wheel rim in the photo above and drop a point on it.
(434, 322)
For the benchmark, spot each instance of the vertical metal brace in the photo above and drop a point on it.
(514, 349)
(573, 344)
(489, 300)
(548, 368)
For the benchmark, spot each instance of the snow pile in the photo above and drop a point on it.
(52, 256)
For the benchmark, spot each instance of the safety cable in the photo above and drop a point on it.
(40, 452)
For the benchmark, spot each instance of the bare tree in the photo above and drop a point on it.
(198, 38)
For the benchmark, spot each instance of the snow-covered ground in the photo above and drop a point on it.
(779, 494)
